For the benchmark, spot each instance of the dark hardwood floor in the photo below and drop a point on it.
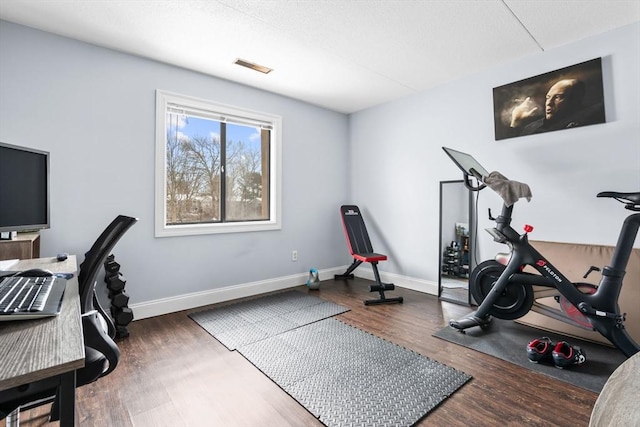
(173, 373)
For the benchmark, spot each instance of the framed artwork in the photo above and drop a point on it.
(561, 99)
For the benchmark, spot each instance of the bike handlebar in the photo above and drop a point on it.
(477, 176)
(503, 221)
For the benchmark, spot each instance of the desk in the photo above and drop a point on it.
(52, 348)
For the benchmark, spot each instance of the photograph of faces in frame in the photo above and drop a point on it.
(561, 99)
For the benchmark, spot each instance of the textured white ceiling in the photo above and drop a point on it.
(345, 55)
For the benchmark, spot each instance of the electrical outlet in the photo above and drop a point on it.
(294, 256)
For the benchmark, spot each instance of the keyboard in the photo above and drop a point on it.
(24, 293)
(30, 297)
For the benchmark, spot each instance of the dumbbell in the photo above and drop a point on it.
(122, 332)
(122, 316)
(115, 283)
(111, 266)
(119, 299)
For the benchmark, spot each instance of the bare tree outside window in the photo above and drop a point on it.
(217, 168)
(244, 179)
(202, 155)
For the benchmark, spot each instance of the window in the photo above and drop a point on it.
(217, 168)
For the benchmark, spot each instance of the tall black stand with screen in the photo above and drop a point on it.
(458, 220)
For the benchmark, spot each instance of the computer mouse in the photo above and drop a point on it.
(35, 272)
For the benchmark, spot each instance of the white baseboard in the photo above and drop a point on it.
(420, 285)
(198, 299)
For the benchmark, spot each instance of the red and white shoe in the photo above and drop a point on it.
(565, 355)
(539, 350)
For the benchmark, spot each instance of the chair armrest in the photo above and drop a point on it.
(97, 338)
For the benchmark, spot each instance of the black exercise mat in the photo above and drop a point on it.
(347, 377)
(507, 340)
(253, 320)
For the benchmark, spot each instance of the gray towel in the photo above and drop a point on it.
(510, 191)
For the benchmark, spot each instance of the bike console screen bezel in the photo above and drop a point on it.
(466, 163)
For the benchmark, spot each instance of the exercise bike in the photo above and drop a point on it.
(506, 291)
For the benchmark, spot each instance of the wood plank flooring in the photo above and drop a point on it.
(173, 373)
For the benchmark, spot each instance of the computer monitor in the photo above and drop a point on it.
(466, 163)
(24, 189)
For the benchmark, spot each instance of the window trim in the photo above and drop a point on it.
(163, 101)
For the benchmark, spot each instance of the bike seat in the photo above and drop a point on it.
(632, 200)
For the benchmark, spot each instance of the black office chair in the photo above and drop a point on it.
(101, 352)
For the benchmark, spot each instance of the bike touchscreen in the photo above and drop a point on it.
(466, 163)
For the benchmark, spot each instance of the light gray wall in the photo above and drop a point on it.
(397, 161)
(94, 110)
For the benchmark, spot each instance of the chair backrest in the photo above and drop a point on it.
(94, 317)
(101, 352)
(96, 256)
(355, 230)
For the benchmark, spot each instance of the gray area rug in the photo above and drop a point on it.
(347, 377)
(507, 340)
(253, 320)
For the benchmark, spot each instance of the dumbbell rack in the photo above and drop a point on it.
(120, 312)
(453, 262)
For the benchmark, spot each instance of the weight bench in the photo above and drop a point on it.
(362, 251)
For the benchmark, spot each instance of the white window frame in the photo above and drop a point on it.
(163, 101)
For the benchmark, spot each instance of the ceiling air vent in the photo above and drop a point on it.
(256, 67)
